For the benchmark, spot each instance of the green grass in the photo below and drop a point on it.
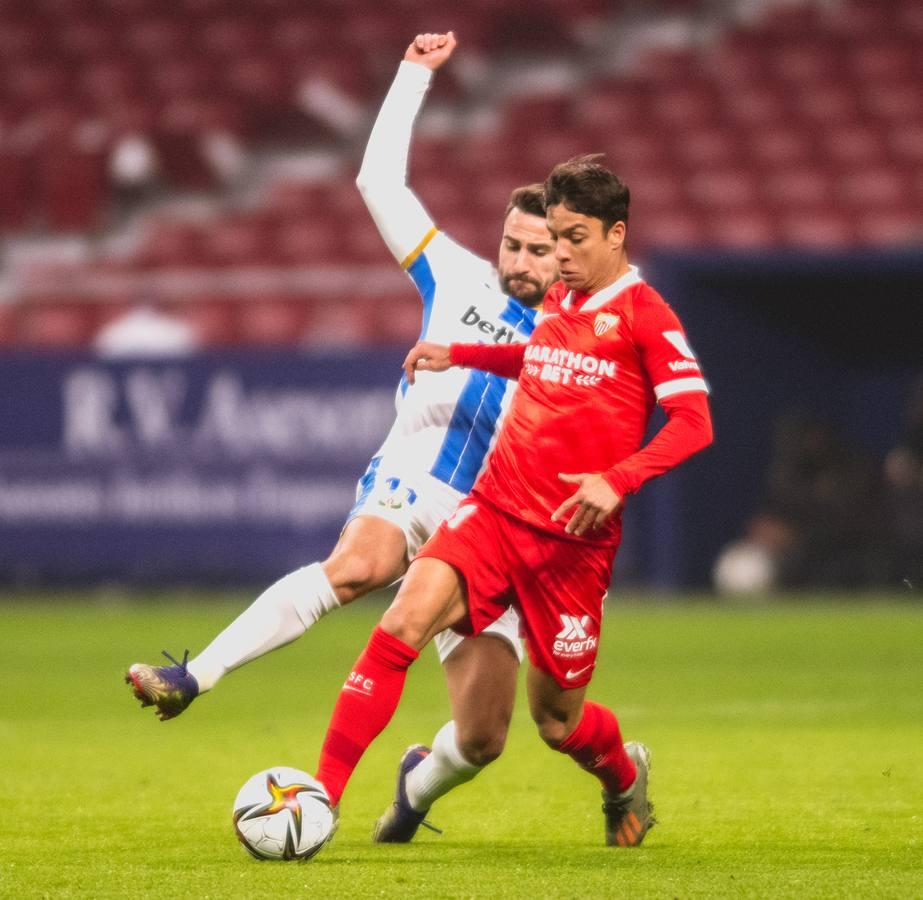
(787, 741)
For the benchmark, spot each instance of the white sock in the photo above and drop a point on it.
(283, 612)
(444, 769)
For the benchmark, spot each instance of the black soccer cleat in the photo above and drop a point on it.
(170, 689)
(400, 821)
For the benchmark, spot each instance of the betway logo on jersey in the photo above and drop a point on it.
(500, 335)
(574, 638)
(563, 366)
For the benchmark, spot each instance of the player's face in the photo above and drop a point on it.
(589, 258)
(526, 263)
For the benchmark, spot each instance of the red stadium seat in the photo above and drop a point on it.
(397, 320)
(684, 107)
(896, 101)
(7, 324)
(858, 20)
(611, 109)
(172, 244)
(235, 242)
(155, 38)
(855, 145)
(747, 228)
(678, 229)
(892, 227)
(878, 187)
(271, 321)
(802, 65)
(821, 229)
(708, 147)
(824, 104)
(803, 188)
(74, 183)
(779, 146)
(341, 324)
(17, 189)
(54, 324)
(909, 18)
(758, 105)
(212, 318)
(905, 140)
(730, 188)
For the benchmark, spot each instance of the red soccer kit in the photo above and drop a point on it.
(589, 378)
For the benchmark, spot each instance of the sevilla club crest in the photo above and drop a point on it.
(603, 322)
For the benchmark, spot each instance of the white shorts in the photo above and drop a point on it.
(417, 503)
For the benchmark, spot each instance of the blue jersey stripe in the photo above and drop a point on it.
(366, 483)
(474, 421)
(422, 274)
(470, 431)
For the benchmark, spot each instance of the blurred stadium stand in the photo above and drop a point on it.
(194, 154)
(187, 166)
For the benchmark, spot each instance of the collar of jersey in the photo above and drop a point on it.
(604, 295)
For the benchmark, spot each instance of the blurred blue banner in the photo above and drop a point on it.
(216, 468)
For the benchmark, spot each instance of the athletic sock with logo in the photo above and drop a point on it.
(596, 746)
(283, 612)
(444, 769)
(366, 704)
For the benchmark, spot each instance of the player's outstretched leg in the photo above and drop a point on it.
(283, 612)
(629, 815)
(400, 821)
(170, 689)
(370, 553)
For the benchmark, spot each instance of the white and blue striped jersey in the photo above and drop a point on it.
(447, 422)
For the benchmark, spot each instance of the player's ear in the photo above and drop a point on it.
(616, 235)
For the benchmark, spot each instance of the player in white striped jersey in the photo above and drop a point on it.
(443, 431)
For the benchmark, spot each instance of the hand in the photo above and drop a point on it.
(426, 357)
(431, 50)
(595, 501)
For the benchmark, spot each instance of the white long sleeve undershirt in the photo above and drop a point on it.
(382, 180)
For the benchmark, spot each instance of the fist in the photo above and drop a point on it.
(431, 50)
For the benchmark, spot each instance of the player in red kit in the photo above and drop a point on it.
(542, 524)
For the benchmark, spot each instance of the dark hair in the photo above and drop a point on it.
(530, 198)
(584, 186)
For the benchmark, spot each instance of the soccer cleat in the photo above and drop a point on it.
(168, 688)
(630, 815)
(400, 821)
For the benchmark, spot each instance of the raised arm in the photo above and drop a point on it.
(399, 215)
(504, 360)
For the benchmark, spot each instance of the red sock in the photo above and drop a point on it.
(365, 706)
(596, 745)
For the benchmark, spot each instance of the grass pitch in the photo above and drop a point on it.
(787, 743)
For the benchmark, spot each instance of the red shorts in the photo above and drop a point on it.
(556, 584)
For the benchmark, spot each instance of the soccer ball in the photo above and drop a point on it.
(283, 813)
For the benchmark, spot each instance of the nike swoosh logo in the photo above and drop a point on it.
(570, 675)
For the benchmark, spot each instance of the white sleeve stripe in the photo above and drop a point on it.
(679, 386)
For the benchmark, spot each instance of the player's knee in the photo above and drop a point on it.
(351, 576)
(552, 733)
(482, 746)
(410, 629)
(552, 729)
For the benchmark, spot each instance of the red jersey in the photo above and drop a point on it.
(589, 378)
